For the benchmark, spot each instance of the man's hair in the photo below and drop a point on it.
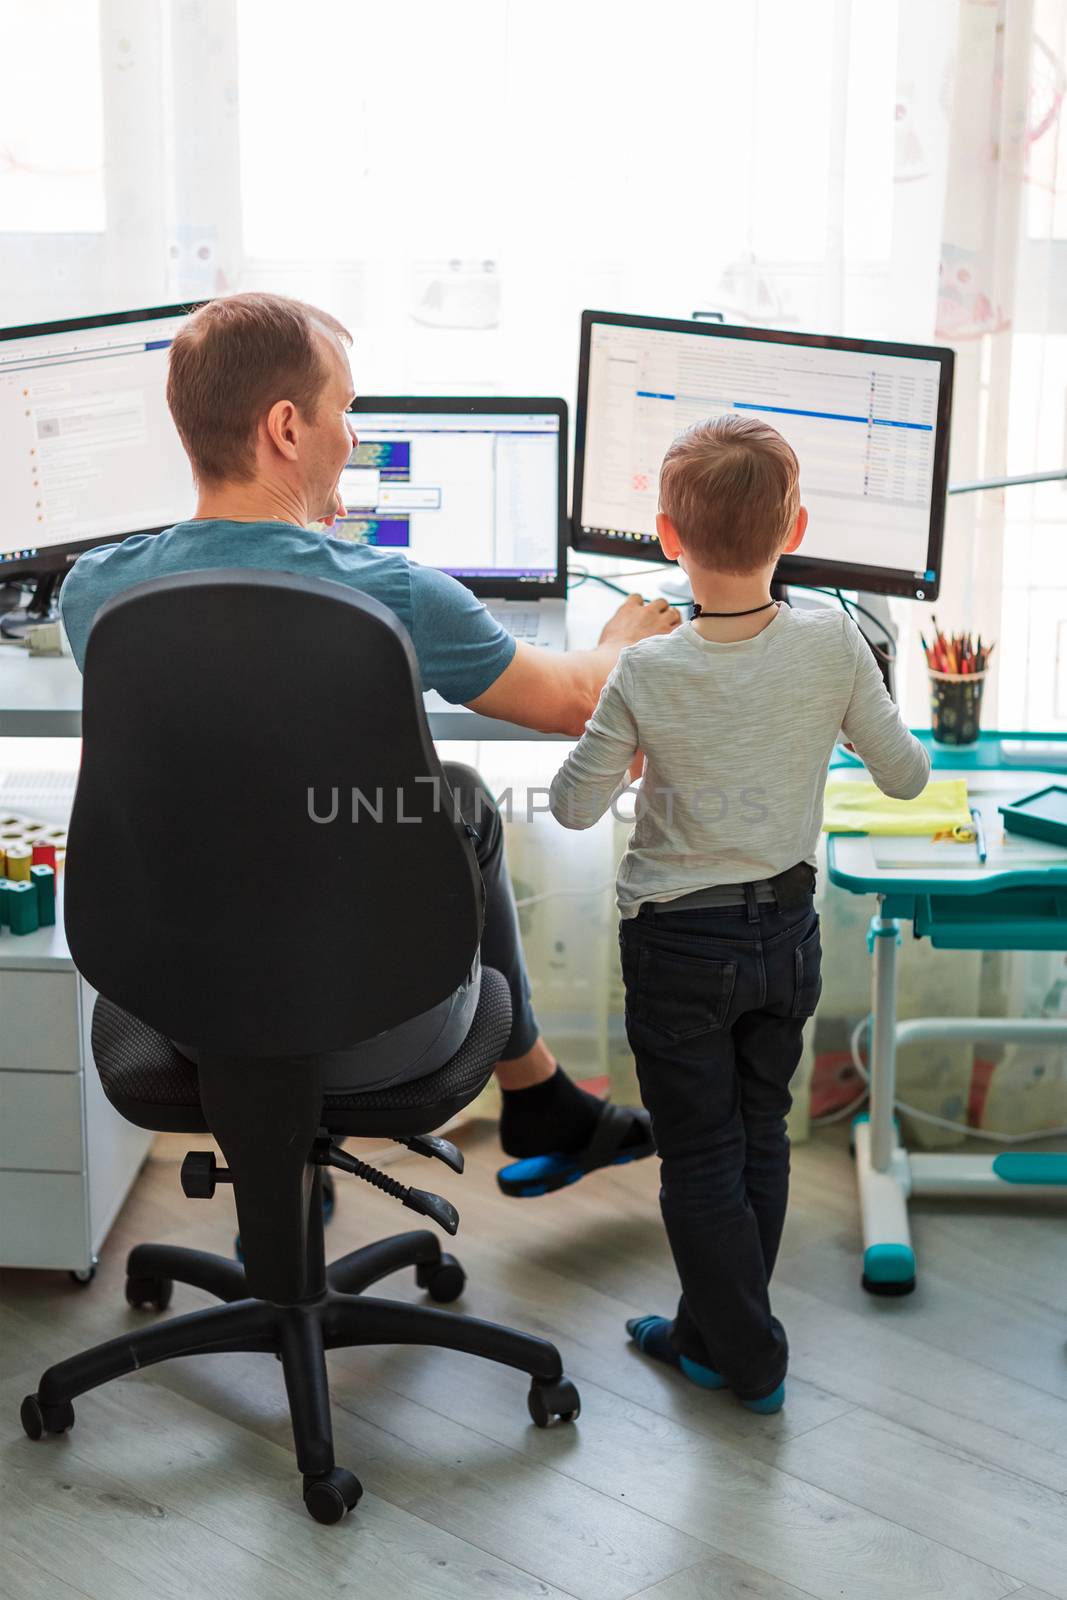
(731, 488)
(232, 360)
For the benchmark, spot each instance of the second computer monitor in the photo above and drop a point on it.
(476, 488)
(88, 451)
(868, 420)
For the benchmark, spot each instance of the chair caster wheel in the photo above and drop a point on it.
(556, 1401)
(443, 1280)
(37, 1419)
(329, 1497)
(149, 1293)
(83, 1275)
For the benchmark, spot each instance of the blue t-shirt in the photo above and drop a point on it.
(461, 648)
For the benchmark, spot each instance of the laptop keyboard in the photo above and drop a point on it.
(520, 624)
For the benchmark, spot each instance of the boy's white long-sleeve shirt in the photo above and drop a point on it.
(737, 739)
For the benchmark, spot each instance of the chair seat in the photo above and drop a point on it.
(152, 1084)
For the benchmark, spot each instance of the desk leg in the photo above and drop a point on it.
(881, 1163)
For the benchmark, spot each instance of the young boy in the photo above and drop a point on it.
(736, 714)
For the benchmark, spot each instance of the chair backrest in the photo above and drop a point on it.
(263, 856)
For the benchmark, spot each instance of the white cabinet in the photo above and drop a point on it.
(67, 1159)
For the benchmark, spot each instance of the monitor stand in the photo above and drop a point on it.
(42, 607)
(876, 628)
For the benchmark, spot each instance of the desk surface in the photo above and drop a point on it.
(878, 864)
(41, 696)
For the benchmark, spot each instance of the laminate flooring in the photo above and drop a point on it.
(921, 1455)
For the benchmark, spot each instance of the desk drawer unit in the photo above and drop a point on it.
(67, 1159)
(39, 1025)
(41, 1122)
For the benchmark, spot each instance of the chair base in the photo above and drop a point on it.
(300, 1334)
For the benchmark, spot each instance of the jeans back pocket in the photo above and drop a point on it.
(807, 958)
(679, 995)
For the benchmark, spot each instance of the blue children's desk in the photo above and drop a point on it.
(1017, 900)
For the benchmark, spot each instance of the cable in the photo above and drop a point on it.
(841, 1114)
(585, 576)
(889, 653)
(945, 1122)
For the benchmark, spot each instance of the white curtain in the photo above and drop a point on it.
(457, 182)
(1003, 303)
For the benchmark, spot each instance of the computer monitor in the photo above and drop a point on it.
(475, 487)
(88, 451)
(869, 422)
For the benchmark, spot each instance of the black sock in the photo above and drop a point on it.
(555, 1115)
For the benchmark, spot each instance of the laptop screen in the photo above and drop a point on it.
(474, 493)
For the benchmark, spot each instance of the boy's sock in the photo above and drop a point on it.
(652, 1336)
(555, 1115)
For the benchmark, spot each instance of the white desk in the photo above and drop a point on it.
(41, 696)
(67, 1159)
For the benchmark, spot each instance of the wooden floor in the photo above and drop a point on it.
(922, 1451)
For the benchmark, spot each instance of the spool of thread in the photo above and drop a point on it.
(19, 861)
(44, 855)
(5, 912)
(44, 881)
(22, 907)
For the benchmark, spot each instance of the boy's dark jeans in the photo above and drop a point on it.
(716, 1001)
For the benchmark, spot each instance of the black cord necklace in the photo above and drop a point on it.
(699, 612)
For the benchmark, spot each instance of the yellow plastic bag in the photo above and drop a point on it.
(855, 806)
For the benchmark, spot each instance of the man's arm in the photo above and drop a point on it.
(556, 692)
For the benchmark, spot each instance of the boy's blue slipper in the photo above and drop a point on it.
(622, 1134)
(652, 1336)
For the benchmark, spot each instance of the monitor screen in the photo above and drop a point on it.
(88, 451)
(474, 488)
(868, 421)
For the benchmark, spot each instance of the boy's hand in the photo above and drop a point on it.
(637, 619)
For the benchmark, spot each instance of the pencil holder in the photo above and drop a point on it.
(956, 706)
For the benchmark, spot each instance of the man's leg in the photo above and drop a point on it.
(543, 1110)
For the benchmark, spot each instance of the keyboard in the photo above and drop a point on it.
(520, 624)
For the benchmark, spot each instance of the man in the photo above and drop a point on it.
(259, 387)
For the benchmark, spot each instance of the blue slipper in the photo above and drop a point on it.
(622, 1134)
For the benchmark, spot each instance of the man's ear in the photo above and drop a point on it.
(281, 428)
(667, 535)
(797, 535)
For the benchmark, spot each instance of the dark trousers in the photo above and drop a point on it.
(716, 1001)
(501, 945)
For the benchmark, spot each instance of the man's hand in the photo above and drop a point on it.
(636, 619)
(556, 691)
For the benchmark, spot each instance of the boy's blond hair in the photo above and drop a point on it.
(731, 488)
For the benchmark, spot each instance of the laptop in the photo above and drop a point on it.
(474, 487)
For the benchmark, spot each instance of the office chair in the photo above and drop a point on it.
(219, 893)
